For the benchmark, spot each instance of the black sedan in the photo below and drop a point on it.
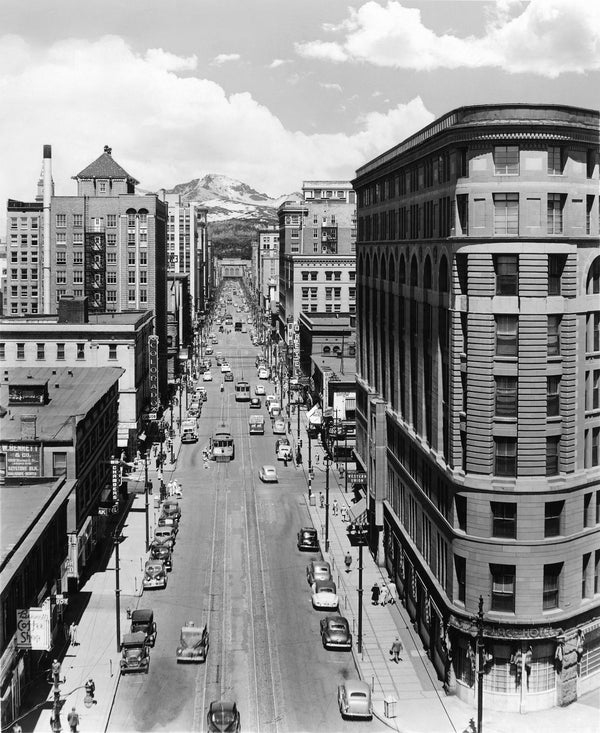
(223, 717)
(335, 633)
(308, 539)
(228, 377)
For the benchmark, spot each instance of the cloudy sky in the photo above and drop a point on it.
(267, 91)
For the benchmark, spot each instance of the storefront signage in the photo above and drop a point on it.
(153, 372)
(22, 461)
(505, 632)
(115, 465)
(33, 628)
(357, 477)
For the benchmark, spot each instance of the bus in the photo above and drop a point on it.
(242, 391)
(221, 445)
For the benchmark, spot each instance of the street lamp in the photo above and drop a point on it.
(116, 540)
(480, 663)
(147, 487)
(358, 534)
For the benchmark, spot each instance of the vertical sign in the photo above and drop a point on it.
(153, 373)
(115, 465)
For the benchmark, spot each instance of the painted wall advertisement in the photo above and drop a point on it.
(33, 628)
(22, 461)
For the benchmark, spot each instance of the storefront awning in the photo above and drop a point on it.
(358, 511)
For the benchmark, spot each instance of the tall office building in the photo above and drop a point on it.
(478, 393)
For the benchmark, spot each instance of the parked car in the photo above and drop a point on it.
(274, 408)
(193, 643)
(208, 351)
(335, 633)
(201, 394)
(255, 403)
(308, 539)
(278, 427)
(135, 654)
(283, 449)
(268, 474)
(163, 553)
(270, 398)
(228, 377)
(318, 570)
(263, 373)
(169, 522)
(223, 717)
(155, 575)
(207, 376)
(354, 699)
(142, 619)
(259, 389)
(325, 595)
(171, 508)
(164, 536)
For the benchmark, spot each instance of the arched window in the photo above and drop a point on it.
(392, 268)
(402, 270)
(443, 275)
(593, 279)
(383, 269)
(427, 274)
(414, 271)
(368, 266)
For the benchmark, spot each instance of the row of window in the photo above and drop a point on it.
(329, 308)
(329, 274)
(60, 353)
(24, 222)
(111, 220)
(329, 293)
(507, 395)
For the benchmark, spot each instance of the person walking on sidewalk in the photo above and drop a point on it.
(385, 594)
(321, 500)
(334, 508)
(344, 513)
(73, 720)
(396, 650)
(73, 633)
(375, 594)
(348, 562)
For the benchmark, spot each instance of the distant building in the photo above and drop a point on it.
(268, 279)
(478, 393)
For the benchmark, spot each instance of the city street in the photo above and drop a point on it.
(237, 568)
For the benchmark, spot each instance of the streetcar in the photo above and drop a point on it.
(242, 391)
(222, 448)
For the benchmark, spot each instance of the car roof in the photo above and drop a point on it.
(268, 467)
(357, 686)
(142, 614)
(223, 705)
(322, 584)
(134, 639)
(312, 530)
(200, 629)
(320, 563)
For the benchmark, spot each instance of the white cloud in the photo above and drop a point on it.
(224, 58)
(328, 85)
(164, 129)
(278, 62)
(166, 61)
(545, 37)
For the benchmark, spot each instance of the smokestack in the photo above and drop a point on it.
(47, 192)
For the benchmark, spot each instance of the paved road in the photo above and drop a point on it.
(237, 567)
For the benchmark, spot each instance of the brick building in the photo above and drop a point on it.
(478, 408)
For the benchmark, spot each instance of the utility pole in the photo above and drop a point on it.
(116, 539)
(327, 501)
(358, 535)
(56, 705)
(146, 490)
(480, 670)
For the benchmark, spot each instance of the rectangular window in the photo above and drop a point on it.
(304, 275)
(555, 160)
(131, 295)
(78, 277)
(587, 510)
(2, 351)
(77, 220)
(507, 335)
(81, 351)
(553, 396)
(556, 264)
(78, 238)
(506, 268)
(111, 240)
(504, 519)
(460, 566)
(111, 296)
(460, 507)
(61, 258)
(552, 455)
(506, 160)
(596, 571)
(555, 207)
(111, 258)
(305, 292)
(462, 210)
(551, 586)
(328, 275)
(61, 238)
(61, 277)
(59, 464)
(503, 588)
(131, 258)
(61, 220)
(505, 458)
(506, 213)
(554, 335)
(585, 571)
(78, 258)
(337, 293)
(41, 351)
(131, 277)
(552, 518)
(328, 293)
(506, 396)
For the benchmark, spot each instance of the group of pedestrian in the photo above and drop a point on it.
(174, 488)
(381, 595)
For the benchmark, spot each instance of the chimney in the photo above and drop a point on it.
(47, 197)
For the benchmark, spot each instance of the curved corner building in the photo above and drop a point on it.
(478, 393)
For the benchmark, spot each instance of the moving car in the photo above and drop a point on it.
(283, 449)
(208, 351)
(263, 373)
(228, 377)
(308, 539)
(325, 595)
(354, 699)
(274, 408)
(193, 643)
(255, 403)
(259, 389)
(279, 427)
(268, 474)
(207, 376)
(223, 717)
(335, 633)
(163, 553)
(318, 570)
(135, 655)
(225, 367)
(155, 575)
(142, 619)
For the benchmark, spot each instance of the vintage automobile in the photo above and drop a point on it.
(318, 570)
(155, 575)
(308, 539)
(228, 377)
(274, 408)
(263, 373)
(324, 595)
(259, 390)
(268, 474)
(354, 699)
(208, 351)
(201, 395)
(164, 536)
(278, 427)
(162, 552)
(142, 619)
(171, 508)
(335, 633)
(135, 654)
(255, 403)
(223, 717)
(207, 376)
(225, 367)
(283, 449)
(270, 398)
(170, 522)
(193, 643)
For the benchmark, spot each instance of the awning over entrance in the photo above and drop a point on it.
(358, 512)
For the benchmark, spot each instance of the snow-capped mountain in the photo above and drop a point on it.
(226, 198)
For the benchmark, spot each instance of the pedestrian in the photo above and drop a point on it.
(344, 513)
(321, 500)
(396, 650)
(348, 561)
(73, 720)
(73, 633)
(375, 594)
(17, 728)
(177, 489)
(334, 507)
(170, 488)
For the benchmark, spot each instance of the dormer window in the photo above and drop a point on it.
(102, 186)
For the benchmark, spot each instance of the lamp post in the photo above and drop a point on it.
(116, 540)
(56, 702)
(480, 670)
(358, 536)
(146, 491)
(327, 502)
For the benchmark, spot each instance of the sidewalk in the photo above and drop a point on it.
(422, 705)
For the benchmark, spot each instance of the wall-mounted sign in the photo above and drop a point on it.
(153, 373)
(22, 461)
(33, 628)
(115, 466)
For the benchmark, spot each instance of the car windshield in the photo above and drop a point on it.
(326, 590)
(223, 717)
(337, 627)
(358, 694)
(308, 535)
(154, 568)
(132, 652)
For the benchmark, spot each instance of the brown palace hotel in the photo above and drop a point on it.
(478, 393)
